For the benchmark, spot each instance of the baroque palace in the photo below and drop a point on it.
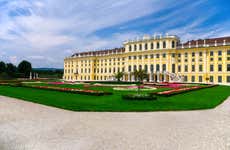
(164, 58)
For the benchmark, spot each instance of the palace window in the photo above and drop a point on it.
(140, 57)
(173, 68)
(134, 68)
(219, 67)
(219, 79)
(130, 48)
(157, 55)
(179, 55)
(134, 57)
(228, 67)
(173, 55)
(228, 79)
(140, 67)
(146, 46)
(179, 68)
(211, 59)
(220, 59)
(185, 78)
(157, 67)
(211, 68)
(193, 68)
(200, 54)
(193, 54)
(228, 52)
(158, 45)
(130, 57)
(164, 55)
(211, 79)
(185, 54)
(151, 68)
(164, 44)
(200, 68)
(140, 46)
(219, 53)
(152, 46)
(135, 47)
(146, 68)
(211, 53)
(200, 79)
(193, 78)
(173, 44)
(164, 67)
(186, 68)
(146, 56)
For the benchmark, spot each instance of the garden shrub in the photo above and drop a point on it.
(139, 97)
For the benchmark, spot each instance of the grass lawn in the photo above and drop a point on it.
(200, 99)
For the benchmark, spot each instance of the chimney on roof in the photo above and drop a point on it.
(204, 43)
(224, 42)
(196, 43)
(154, 36)
(160, 36)
(167, 34)
(215, 43)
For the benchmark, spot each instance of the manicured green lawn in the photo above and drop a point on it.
(200, 99)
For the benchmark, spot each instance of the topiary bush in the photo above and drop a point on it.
(139, 97)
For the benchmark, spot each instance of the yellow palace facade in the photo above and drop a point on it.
(164, 58)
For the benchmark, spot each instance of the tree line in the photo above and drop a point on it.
(9, 70)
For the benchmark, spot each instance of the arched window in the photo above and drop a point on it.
(135, 47)
(140, 46)
(134, 68)
(164, 44)
(140, 67)
(151, 68)
(146, 68)
(158, 67)
(130, 48)
(146, 46)
(158, 45)
(164, 67)
(130, 68)
(152, 46)
(173, 44)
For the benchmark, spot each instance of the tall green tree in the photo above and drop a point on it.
(11, 69)
(119, 75)
(2, 67)
(140, 76)
(25, 68)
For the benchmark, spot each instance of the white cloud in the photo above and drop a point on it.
(53, 29)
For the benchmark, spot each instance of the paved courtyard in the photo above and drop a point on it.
(29, 126)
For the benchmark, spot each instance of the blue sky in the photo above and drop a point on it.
(46, 31)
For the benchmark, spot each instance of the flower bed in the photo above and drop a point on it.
(182, 90)
(113, 85)
(134, 88)
(139, 97)
(71, 90)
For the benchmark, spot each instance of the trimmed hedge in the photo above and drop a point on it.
(60, 89)
(139, 97)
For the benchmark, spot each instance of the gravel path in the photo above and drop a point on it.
(29, 126)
